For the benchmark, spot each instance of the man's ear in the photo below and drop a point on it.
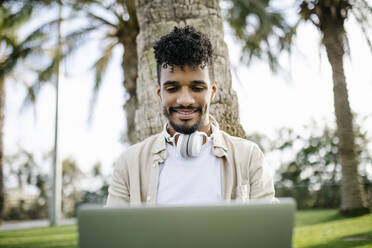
(158, 90)
(214, 89)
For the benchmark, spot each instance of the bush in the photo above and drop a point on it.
(328, 196)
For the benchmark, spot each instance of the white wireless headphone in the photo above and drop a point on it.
(188, 145)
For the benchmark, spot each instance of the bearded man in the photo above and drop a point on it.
(191, 161)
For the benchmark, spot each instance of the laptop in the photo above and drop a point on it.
(225, 225)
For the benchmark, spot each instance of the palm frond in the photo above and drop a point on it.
(100, 19)
(35, 39)
(77, 38)
(21, 51)
(31, 96)
(31, 44)
(262, 30)
(11, 61)
(347, 46)
(46, 75)
(100, 67)
(362, 14)
(43, 30)
(9, 40)
(14, 20)
(118, 16)
(43, 76)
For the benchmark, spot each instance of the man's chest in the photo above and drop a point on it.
(196, 180)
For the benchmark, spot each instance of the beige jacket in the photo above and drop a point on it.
(243, 169)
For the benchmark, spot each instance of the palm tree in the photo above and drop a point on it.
(11, 51)
(157, 18)
(329, 17)
(16, 51)
(120, 27)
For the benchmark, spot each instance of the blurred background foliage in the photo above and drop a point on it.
(312, 172)
(28, 196)
(310, 167)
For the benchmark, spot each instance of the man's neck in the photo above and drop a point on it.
(206, 129)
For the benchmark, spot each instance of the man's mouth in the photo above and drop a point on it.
(185, 113)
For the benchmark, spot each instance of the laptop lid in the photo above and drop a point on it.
(232, 225)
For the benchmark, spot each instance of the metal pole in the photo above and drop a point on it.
(55, 210)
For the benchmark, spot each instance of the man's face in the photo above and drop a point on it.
(186, 95)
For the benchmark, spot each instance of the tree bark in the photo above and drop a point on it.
(128, 35)
(353, 201)
(157, 18)
(2, 111)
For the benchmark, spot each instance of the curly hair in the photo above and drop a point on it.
(184, 46)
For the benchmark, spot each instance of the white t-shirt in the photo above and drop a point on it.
(190, 180)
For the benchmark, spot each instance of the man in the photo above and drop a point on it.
(191, 161)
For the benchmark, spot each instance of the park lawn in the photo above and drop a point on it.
(314, 229)
(44, 237)
(327, 229)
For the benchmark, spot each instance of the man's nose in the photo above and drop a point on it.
(185, 98)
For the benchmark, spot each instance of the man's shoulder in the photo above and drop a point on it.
(244, 151)
(137, 155)
(145, 144)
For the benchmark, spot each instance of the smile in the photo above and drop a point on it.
(185, 114)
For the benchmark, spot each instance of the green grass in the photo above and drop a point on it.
(45, 237)
(326, 229)
(314, 229)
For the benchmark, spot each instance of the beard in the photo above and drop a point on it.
(185, 128)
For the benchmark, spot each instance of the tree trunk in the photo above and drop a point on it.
(158, 17)
(353, 201)
(129, 65)
(2, 110)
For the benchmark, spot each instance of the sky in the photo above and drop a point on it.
(267, 101)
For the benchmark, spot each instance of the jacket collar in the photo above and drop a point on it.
(159, 144)
(219, 144)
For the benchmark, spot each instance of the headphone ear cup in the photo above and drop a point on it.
(195, 144)
(182, 144)
(190, 145)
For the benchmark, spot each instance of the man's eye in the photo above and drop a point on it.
(197, 89)
(171, 89)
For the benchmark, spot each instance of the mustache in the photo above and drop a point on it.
(181, 107)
